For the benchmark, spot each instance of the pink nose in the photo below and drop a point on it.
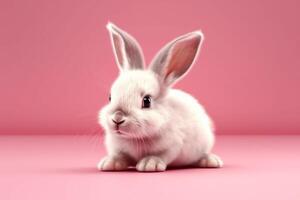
(118, 118)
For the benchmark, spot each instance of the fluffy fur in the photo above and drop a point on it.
(175, 130)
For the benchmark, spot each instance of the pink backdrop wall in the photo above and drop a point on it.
(56, 63)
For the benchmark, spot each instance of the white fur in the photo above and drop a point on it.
(174, 131)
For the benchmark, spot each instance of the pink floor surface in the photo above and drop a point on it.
(63, 167)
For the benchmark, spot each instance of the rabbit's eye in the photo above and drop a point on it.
(109, 98)
(146, 101)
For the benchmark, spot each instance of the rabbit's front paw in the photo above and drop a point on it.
(210, 161)
(109, 163)
(151, 164)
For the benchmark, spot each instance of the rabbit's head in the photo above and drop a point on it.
(137, 97)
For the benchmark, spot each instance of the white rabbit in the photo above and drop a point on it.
(148, 124)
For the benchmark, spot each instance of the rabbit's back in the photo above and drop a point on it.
(193, 123)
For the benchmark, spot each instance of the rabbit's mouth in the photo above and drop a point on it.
(123, 133)
(119, 130)
(126, 129)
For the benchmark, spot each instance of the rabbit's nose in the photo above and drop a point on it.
(118, 122)
(118, 118)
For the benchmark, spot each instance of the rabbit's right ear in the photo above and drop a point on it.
(174, 60)
(127, 51)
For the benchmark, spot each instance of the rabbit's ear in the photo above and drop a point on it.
(127, 51)
(176, 58)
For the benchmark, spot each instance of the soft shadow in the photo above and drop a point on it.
(225, 168)
(65, 170)
(94, 170)
(81, 170)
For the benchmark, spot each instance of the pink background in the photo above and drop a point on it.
(56, 67)
(56, 62)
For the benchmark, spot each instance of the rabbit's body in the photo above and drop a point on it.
(149, 124)
(189, 138)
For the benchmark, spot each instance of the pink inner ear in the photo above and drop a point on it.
(182, 56)
(118, 46)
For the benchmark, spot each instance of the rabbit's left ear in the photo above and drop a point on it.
(176, 58)
(127, 51)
